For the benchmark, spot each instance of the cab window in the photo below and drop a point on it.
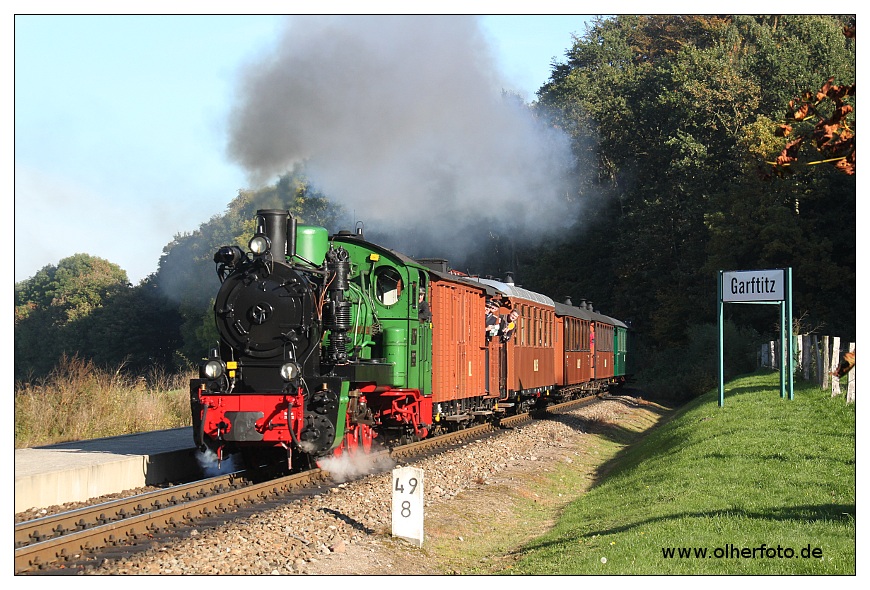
(388, 285)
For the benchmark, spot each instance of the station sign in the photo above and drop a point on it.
(770, 287)
(753, 286)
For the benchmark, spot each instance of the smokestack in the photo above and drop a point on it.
(273, 223)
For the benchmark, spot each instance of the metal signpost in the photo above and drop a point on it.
(771, 287)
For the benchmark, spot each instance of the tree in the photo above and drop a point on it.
(49, 306)
(667, 115)
(824, 118)
(138, 329)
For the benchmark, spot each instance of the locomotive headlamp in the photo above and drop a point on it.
(259, 244)
(290, 371)
(213, 369)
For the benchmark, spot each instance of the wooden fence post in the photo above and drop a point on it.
(850, 391)
(826, 360)
(818, 359)
(835, 359)
(805, 355)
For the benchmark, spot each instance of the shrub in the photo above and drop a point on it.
(683, 373)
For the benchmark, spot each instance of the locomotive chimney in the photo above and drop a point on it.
(273, 223)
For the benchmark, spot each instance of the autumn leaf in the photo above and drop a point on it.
(789, 154)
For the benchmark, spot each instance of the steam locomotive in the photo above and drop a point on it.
(330, 342)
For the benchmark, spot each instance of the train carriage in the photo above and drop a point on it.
(527, 358)
(602, 345)
(576, 352)
(459, 371)
(465, 373)
(621, 355)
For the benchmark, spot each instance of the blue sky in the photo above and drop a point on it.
(121, 123)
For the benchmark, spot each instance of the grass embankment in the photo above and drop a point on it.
(79, 401)
(762, 485)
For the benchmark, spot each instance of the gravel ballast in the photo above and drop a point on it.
(347, 530)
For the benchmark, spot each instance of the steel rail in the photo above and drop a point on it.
(55, 525)
(72, 545)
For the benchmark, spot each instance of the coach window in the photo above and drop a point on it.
(547, 328)
(522, 319)
(533, 327)
(536, 326)
(388, 285)
(546, 319)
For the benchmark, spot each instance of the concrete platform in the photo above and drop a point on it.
(77, 471)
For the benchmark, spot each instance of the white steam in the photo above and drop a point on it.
(211, 467)
(402, 120)
(349, 466)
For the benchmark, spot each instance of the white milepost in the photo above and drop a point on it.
(408, 504)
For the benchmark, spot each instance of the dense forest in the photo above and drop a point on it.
(700, 144)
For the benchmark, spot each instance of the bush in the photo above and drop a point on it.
(681, 374)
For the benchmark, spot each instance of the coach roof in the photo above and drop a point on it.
(514, 292)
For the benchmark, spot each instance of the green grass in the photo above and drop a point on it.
(761, 471)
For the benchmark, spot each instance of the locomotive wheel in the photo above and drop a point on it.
(366, 436)
(357, 440)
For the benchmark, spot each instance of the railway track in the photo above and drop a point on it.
(54, 541)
